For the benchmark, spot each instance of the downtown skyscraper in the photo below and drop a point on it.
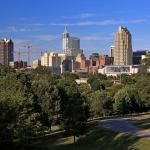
(70, 45)
(123, 47)
(6, 51)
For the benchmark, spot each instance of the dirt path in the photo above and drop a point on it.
(125, 125)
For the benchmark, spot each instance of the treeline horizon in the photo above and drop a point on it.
(32, 102)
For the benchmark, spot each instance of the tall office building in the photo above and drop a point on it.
(112, 48)
(6, 51)
(123, 47)
(70, 45)
(65, 42)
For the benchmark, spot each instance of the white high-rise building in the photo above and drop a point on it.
(70, 45)
(66, 38)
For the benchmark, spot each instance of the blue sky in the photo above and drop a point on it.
(41, 23)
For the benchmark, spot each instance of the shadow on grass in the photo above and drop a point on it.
(95, 139)
(142, 123)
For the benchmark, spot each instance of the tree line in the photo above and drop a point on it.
(32, 102)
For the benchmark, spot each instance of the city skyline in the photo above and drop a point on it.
(92, 21)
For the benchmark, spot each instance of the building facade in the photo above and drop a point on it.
(105, 60)
(36, 63)
(112, 48)
(70, 45)
(137, 56)
(118, 70)
(123, 47)
(6, 51)
(50, 59)
(18, 65)
(94, 57)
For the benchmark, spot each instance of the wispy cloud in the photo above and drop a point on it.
(100, 23)
(20, 41)
(19, 44)
(96, 38)
(87, 15)
(14, 29)
(46, 37)
(80, 16)
(36, 24)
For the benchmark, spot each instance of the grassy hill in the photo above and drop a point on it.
(95, 139)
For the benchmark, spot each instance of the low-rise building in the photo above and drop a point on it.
(116, 70)
(18, 65)
(36, 63)
(50, 59)
(81, 81)
(105, 60)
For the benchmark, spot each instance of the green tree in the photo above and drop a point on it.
(127, 100)
(97, 85)
(127, 79)
(84, 89)
(28, 126)
(71, 76)
(41, 70)
(46, 101)
(95, 77)
(4, 70)
(143, 86)
(73, 109)
(13, 94)
(100, 104)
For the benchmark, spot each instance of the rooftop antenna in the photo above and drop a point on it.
(65, 31)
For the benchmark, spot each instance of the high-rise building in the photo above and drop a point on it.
(6, 51)
(65, 42)
(123, 47)
(70, 45)
(112, 48)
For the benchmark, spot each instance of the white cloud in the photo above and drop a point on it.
(13, 29)
(36, 24)
(46, 37)
(80, 16)
(87, 15)
(96, 38)
(20, 41)
(100, 23)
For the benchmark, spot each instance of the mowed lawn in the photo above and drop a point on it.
(96, 138)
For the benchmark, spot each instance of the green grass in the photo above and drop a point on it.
(95, 139)
(143, 121)
(140, 117)
(143, 125)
